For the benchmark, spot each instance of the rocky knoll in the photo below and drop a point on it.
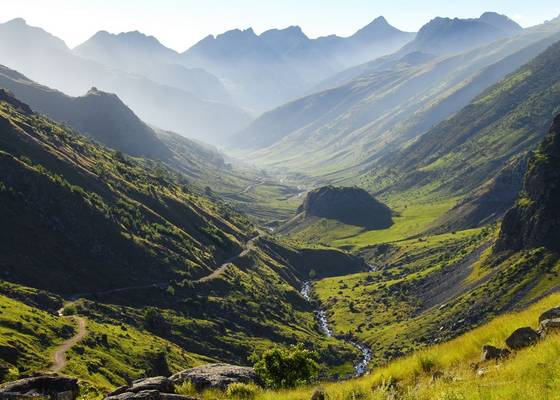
(349, 205)
(534, 221)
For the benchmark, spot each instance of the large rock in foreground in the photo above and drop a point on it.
(349, 205)
(149, 395)
(216, 376)
(522, 337)
(50, 386)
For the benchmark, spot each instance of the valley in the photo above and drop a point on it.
(275, 215)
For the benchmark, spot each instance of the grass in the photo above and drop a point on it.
(32, 333)
(411, 220)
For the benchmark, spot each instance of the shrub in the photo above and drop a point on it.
(242, 391)
(286, 367)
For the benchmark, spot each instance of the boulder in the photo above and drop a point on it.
(149, 395)
(50, 386)
(493, 353)
(159, 383)
(522, 337)
(553, 313)
(550, 324)
(218, 376)
(319, 394)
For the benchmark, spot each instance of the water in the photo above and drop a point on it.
(361, 367)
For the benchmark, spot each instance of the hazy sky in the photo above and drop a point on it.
(180, 23)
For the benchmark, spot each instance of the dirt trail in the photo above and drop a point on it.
(59, 358)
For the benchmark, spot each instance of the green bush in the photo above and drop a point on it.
(242, 391)
(286, 367)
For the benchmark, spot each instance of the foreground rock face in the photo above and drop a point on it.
(534, 221)
(216, 376)
(149, 395)
(522, 337)
(154, 388)
(349, 205)
(52, 387)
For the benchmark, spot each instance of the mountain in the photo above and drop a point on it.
(263, 71)
(131, 238)
(144, 55)
(340, 131)
(488, 203)
(534, 220)
(102, 116)
(446, 35)
(459, 154)
(47, 60)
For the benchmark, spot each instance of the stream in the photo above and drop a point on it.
(361, 367)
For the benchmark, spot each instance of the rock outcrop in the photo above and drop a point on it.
(553, 313)
(149, 395)
(534, 221)
(493, 353)
(153, 388)
(49, 386)
(216, 376)
(349, 205)
(522, 337)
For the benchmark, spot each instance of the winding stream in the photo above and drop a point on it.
(361, 367)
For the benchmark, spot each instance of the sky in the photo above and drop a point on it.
(179, 24)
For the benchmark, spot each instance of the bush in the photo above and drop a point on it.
(286, 367)
(242, 391)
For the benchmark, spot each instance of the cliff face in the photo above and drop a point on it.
(534, 221)
(349, 205)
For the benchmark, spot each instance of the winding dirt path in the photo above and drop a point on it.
(59, 357)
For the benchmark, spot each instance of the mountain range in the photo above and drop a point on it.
(278, 65)
(46, 59)
(381, 105)
(396, 218)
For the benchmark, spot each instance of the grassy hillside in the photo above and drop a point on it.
(337, 133)
(462, 152)
(132, 238)
(531, 373)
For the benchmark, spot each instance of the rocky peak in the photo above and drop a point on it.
(534, 221)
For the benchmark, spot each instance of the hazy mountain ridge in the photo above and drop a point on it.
(279, 64)
(390, 102)
(137, 53)
(44, 60)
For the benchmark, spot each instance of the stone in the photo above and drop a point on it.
(522, 337)
(553, 313)
(218, 376)
(149, 395)
(493, 353)
(550, 324)
(319, 394)
(159, 383)
(119, 390)
(50, 386)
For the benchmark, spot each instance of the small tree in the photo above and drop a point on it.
(286, 367)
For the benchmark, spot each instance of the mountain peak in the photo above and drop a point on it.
(502, 22)
(17, 21)
(375, 30)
